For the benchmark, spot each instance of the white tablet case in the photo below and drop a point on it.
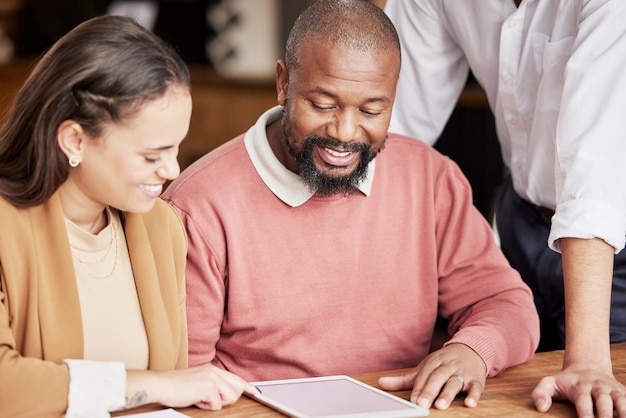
(333, 397)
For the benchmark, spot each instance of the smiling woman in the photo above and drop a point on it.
(128, 164)
(88, 251)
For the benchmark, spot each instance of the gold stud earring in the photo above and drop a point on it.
(74, 161)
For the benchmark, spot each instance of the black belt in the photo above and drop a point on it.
(545, 213)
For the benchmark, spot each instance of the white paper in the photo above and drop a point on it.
(165, 413)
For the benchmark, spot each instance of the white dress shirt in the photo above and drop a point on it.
(554, 72)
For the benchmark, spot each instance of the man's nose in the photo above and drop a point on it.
(343, 126)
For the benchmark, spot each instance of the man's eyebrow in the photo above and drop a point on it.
(323, 92)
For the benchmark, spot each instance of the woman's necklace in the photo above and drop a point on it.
(88, 266)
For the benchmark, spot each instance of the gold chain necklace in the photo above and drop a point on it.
(112, 243)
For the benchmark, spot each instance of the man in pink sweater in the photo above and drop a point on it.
(319, 244)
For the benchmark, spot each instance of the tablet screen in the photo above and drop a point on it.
(333, 396)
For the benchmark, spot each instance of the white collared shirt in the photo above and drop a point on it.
(553, 72)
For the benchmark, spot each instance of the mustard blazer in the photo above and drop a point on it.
(40, 317)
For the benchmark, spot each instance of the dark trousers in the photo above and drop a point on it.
(523, 231)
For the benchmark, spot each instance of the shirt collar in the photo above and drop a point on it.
(285, 184)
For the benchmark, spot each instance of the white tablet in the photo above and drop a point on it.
(332, 396)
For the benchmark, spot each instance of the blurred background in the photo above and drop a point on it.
(230, 35)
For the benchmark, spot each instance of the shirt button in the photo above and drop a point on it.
(511, 24)
(507, 78)
(514, 121)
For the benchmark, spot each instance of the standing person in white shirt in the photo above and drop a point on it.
(553, 72)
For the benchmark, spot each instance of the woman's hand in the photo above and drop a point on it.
(207, 387)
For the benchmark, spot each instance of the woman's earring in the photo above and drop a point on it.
(74, 161)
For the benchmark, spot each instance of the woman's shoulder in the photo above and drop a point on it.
(161, 212)
(14, 216)
(163, 219)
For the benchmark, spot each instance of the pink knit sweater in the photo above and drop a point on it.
(344, 285)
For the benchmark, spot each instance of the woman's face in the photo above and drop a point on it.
(128, 165)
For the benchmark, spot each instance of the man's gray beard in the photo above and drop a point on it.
(323, 184)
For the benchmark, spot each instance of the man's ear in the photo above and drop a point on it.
(71, 137)
(282, 82)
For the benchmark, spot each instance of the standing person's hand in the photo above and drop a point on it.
(441, 376)
(587, 377)
(584, 386)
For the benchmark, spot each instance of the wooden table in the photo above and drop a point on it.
(506, 395)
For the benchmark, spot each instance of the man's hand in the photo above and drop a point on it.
(584, 387)
(587, 377)
(441, 376)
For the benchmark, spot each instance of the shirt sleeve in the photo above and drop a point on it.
(488, 306)
(591, 130)
(206, 290)
(95, 388)
(433, 71)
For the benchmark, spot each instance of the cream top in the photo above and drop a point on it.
(113, 325)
